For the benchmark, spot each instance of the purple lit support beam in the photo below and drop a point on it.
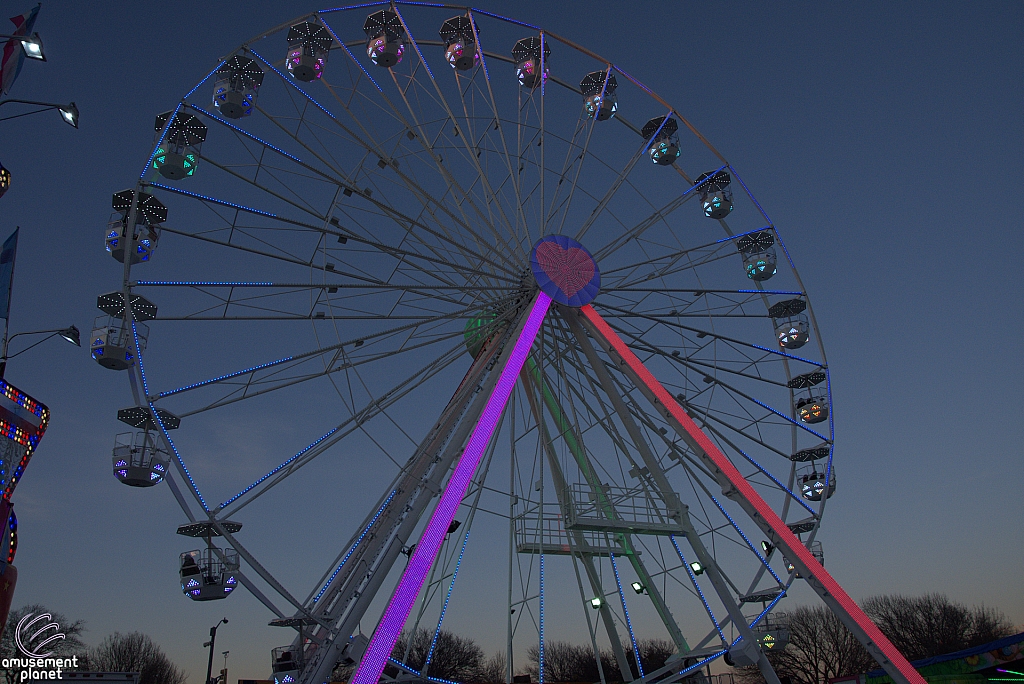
(384, 638)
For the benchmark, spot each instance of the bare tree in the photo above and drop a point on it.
(68, 647)
(653, 654)
(455, 657)
(136, 652)
(820, 647)
(492, 670)
(565, 662)
(931, 625)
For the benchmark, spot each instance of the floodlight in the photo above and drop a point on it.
(72, 335)
(596, 602)
(638, 587)
(766, 547)
(33, 47)
(69, 112)
(697, 568)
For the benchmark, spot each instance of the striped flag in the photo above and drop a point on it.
(7, 254)
(14, 56)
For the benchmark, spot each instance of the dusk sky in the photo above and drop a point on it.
(886, 141)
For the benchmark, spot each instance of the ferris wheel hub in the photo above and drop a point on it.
(565, 270)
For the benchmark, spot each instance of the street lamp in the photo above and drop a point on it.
(210, 643)
(68, 112)
(71, 334)
(32, 45)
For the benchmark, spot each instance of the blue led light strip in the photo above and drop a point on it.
(629, 625)
(788, 356)
(405, 667)
(754, 200)
(767, 609)
(417, 48)
(693, 578)
(189, 93)
(292, 84)
(444, 608)
(359, 541)
(206, 198)
(739, 235)
(224, 377)
(278, 468)
(244, 132)
(342, 43)
(348, 7)
(798, 499)
(160, 422)
(703, 662)
(503, 18)
(540, 625)
(794, 422)
(756, 552)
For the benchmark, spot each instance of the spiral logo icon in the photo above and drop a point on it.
(28, 644)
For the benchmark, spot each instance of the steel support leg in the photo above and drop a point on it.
(736, 487)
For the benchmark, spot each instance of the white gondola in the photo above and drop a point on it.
(208, 574)
(814, 486)
(138, 460)
(112, 344)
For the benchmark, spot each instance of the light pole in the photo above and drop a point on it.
(210, 643)
(70, 334)
(68, 112)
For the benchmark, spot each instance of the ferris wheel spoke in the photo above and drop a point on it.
(420, 192)
(352, 424)
(402, 221)
(470, 156)
(626, 313)
(320, 351)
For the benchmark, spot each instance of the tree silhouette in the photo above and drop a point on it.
(135, 652)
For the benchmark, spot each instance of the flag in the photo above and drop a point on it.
(14, 56)
(7, 254)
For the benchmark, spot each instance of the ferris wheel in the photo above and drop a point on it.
(480, 270)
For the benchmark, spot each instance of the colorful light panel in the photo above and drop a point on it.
(390, 626)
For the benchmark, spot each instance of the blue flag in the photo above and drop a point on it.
(7, 254)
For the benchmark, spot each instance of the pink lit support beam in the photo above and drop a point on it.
(736, 487)
(395, 615)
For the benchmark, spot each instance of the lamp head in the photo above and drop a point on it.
(72, 335)
(638, 587)
(33, 47)
(697, 568)
(596, 602)
(69, 113)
